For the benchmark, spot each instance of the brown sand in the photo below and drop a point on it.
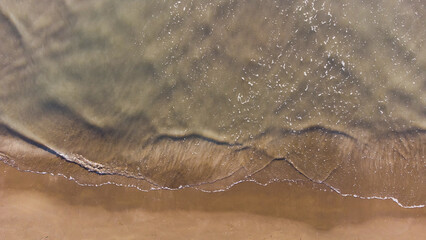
(331, 92)
(37, 206)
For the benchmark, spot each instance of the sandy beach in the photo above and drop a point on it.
(200, 119)
(35, 206)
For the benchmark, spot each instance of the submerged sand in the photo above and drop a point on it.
(270, 119)
(201, 92)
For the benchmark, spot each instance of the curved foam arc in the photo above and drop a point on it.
(221, 183)
(125, 87)
(70, 178)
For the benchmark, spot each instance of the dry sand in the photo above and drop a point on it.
(204, 91)
(35, 206)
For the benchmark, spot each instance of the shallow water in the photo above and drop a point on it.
(158, 94)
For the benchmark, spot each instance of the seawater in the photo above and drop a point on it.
(206, 94)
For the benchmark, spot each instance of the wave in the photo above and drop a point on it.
(390, 167)
(207, 94)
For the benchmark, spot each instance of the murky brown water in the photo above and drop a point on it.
(207, 94)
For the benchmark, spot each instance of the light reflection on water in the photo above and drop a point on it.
(207, 94)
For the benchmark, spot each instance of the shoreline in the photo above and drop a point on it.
(53, 207)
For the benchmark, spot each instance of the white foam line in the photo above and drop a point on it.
(336, 190)
(374, 197)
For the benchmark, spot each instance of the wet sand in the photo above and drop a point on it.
(321, 97)
(35, 206)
